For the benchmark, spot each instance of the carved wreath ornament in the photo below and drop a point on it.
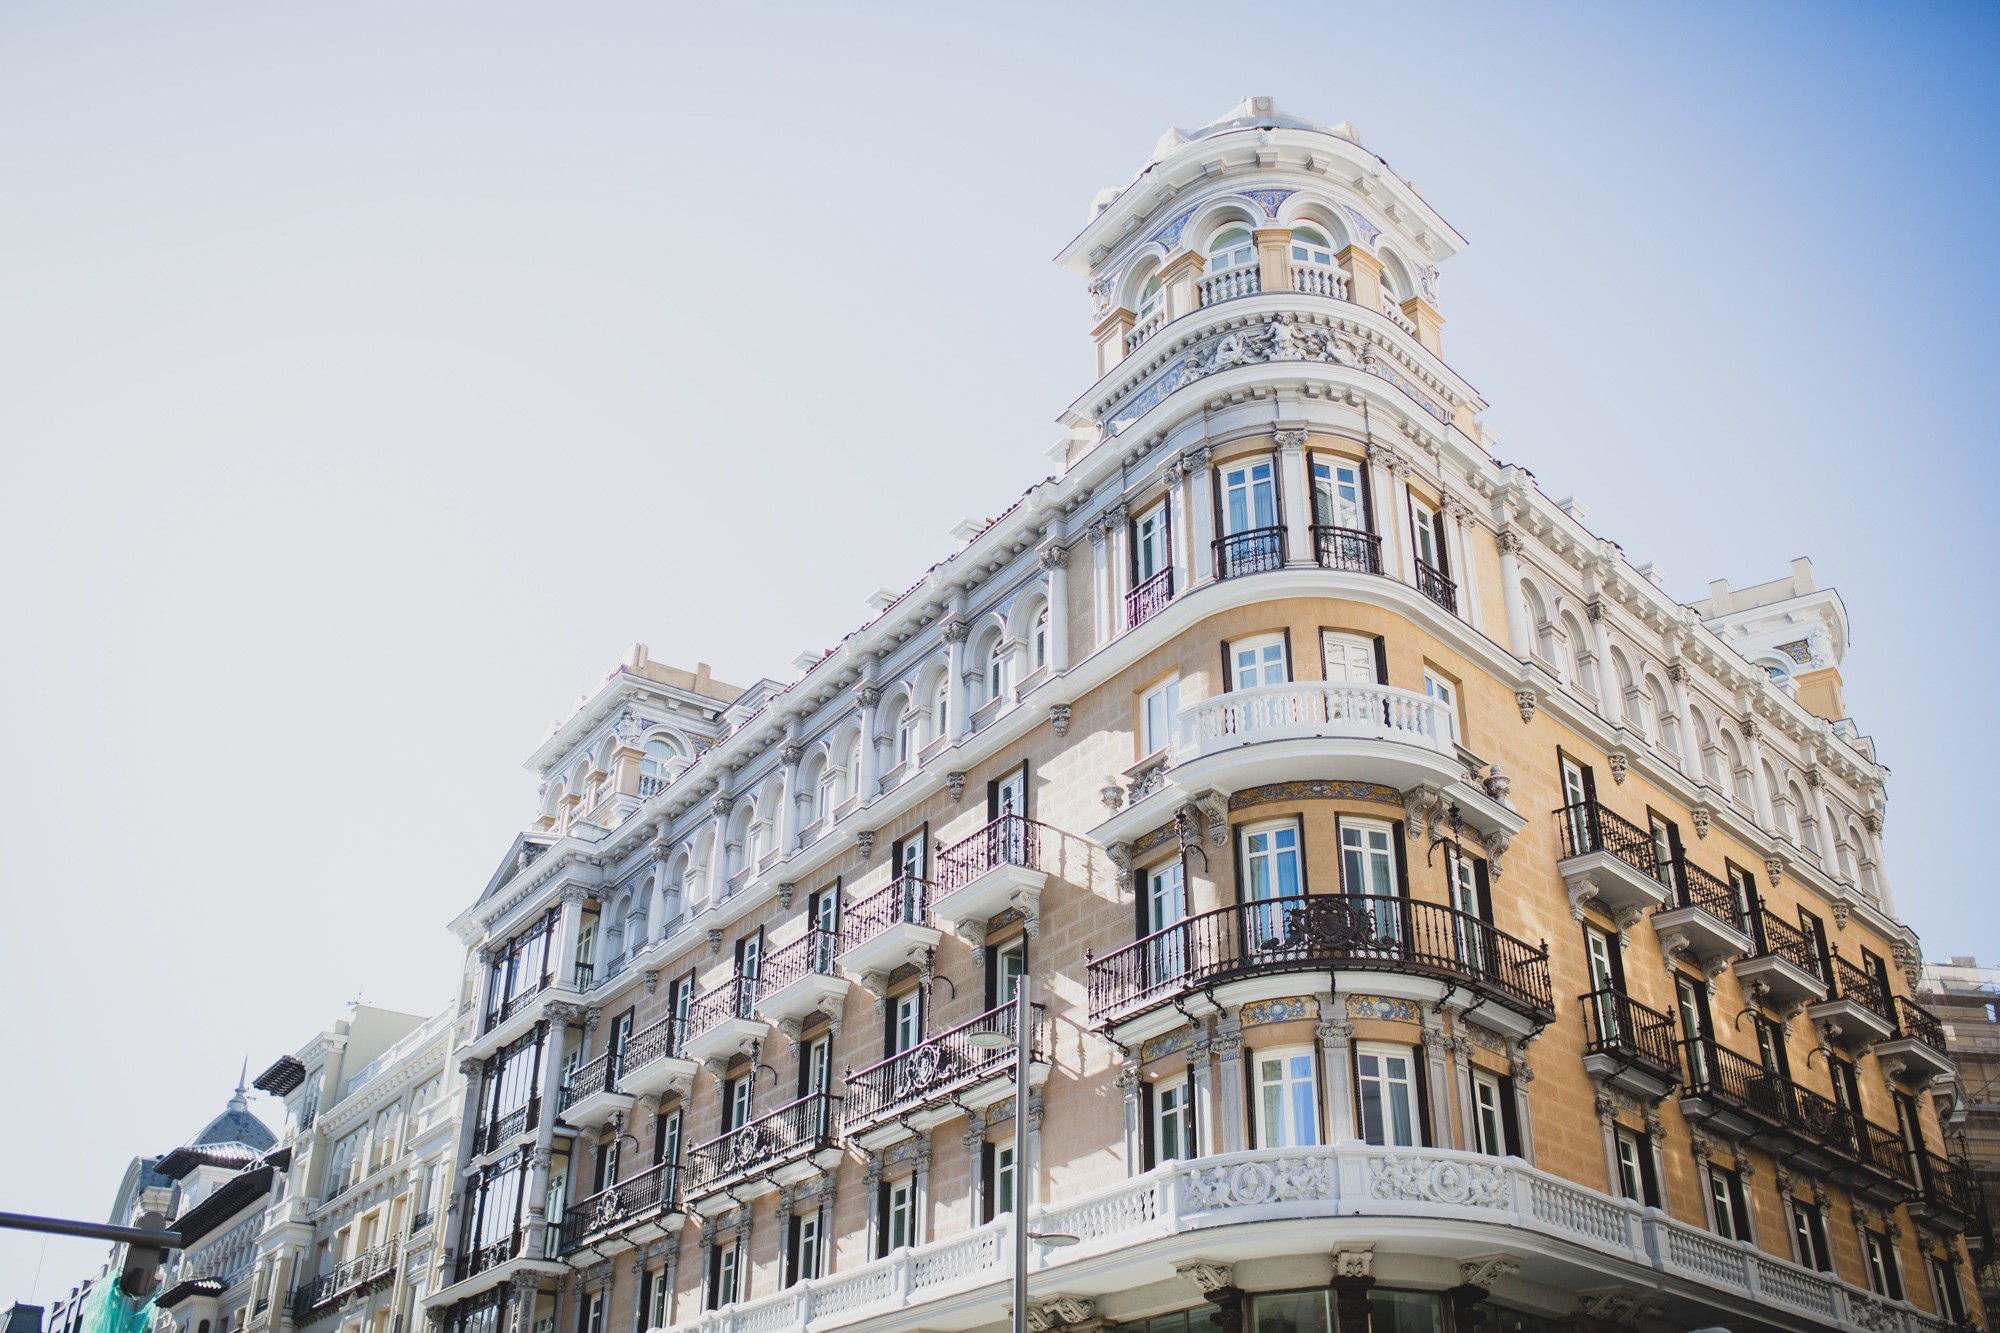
(1427, 1180)
(1247, 1184)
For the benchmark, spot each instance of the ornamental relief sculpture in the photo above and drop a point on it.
(1280, 338)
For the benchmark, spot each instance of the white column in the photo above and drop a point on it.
(1393, 516)
(1437, 1055)
(1119, 531)
(1610, 693)
(1128, 1086)
(1201, 1086)
(571, 934)
(1229, 1045)
(788, 813)
(1753, 735)
(1055, 560)
(718, 851)
(1334, 1035)
(1677, 679)
(1296, 496)
(1100, 584)
(1200, 490)
(869, 694)
(1524, 1074)
(1461, 531)
(955, 629)
(1176, 504)
(1509, 542)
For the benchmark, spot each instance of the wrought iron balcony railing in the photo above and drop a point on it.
(511, 1126)
(811, 954)
(1916, 1022)
(1779, 1103)
(1433, 584)
(1149, 597)
(1590, 826)
(1253, 552)
(616, 1205)
(734, 998)
(933, 1070)
(1852, 983)
(498, 1013)
(1781, 939)
(1316, 933)
(1347, 549)
(478, 1259)
(1695, 887)
(600, 1075)
(795, 1130)
(1011, 840)
(1619, 1026)
(906, 902)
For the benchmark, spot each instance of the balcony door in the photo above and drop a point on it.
(1009, 795)
(1338, 498)
(1255, 661)
(1368, 873)
(1606, 982)
(1163, 905)
(1467, 888)
(816, 1066)
(1152, 549)
(1350, 659)
(1270, 860)
(1579, 794)
(749, 966)
(1249, 496)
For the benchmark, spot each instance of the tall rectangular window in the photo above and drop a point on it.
(1635, 1168)
(1287, 1098)
(1157, 707)
(1385, 1090)
(1885, 1276)
(1173, 1122)
(906, 1021)
(1270, 860)
(1258, 660)
(1249, 496)
(1337, 494)
(1150, 550)
(1489, 1117)
(1732, 1210)
(899, 1214)
(1809, 1245)
(725, 1275)
(802, 1249)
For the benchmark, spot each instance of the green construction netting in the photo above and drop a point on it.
(109, 1310)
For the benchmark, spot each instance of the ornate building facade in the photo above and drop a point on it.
(1429, 920)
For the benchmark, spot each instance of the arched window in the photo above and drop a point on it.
(1310, 246)
(996, 670)
(1232, 248)
(941, 705)
(1040, 657)
(653, 766)
(1150, 297)
(908, 742)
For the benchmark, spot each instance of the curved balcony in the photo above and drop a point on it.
(780, 1147)
(938, 1079)
(1856, 1012)
(798, 980)
(1629, 1044)
(722, 1021)
(1704, 921)
(1608, 860)
(1426, 951)
(653, 1063)
(624, 1215)
(1255, 551)
(1783, 968)
(1348, 549)
(1916, 1053)
(592, 1095)
(996, 868)
(889, 928)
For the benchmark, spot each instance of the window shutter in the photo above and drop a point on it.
(1402, 859)
(1228, 669)
(1444, 556)
(1195, 1129)
(1649, 1182)
(986, 1182)
(1589, 783)
(1250, 1099)
(1510, 1115)
(1142, 924)
(1421, 1075)
(1149, 1150)
(1617, 953)
(1340, 883)
(1291, 673)
(993, 976)
(1367, 475)
(1381, 660)
(992, 800)
(1485, 887)
(882, 1219)
(1299, 823)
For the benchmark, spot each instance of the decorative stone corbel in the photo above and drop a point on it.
(1526, 700)
(1214, 808)
(864, 842)
(955, 629)
(714, 940)
(1059, 719)
(1423, 806)
(1775, 868)
(1209, 1277)
(1582, 892)
(1354, 1261)
(973, 931)
(1674, 946)
(1699, 817)
(1059, 1312)
(1485, 1271)
(954, 782)
(717, 1065)
(1121, 857)
(1842, 910)
(1496, 842)
(1617, 761)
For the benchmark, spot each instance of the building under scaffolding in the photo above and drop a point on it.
(1966, 997)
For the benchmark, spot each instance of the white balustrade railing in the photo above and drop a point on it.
(1315, 280)
(1312, 709)
(1353, 1181)
(1146, 328)
(1395, 312)
(1229, 284)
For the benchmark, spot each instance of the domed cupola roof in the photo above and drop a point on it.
(236, 1126)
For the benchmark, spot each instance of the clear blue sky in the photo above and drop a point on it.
(372, 375)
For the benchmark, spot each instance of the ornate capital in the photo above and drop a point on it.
(1354, 1261)
(868, 694)
(956, 629)
(1289, 439)
(1055, 556)
(470, 1068)
(1593, 610)
(1677, 672)
(1509, 541)
(790, 753)
(721, 802)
